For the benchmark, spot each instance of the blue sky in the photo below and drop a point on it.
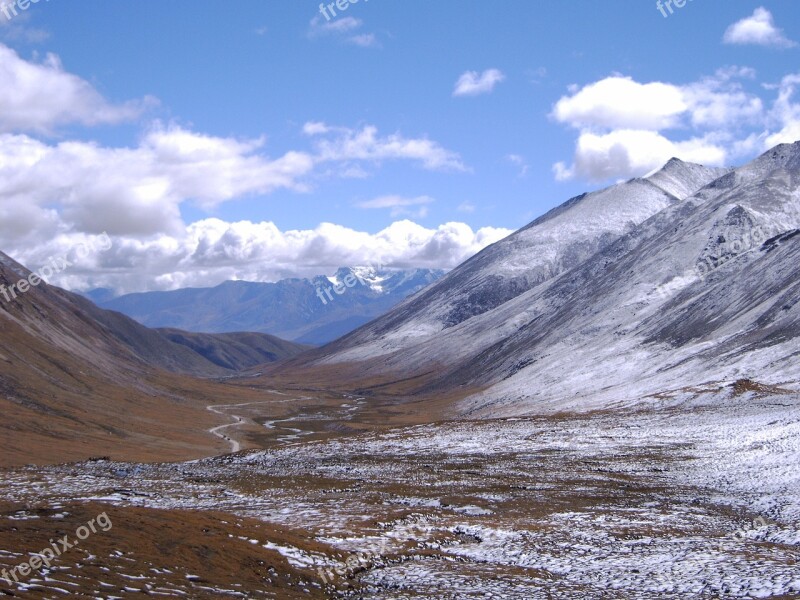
(258, 140)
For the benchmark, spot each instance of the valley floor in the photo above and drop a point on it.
(694, 494)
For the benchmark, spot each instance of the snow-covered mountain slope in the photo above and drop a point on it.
(701, 294)
(552, 244)
(705, 289)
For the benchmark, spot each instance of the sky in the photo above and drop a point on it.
(259, 140)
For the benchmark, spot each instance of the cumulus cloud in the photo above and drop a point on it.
(211, 251)
(340, 25)
(19, 29)
(139, 190)
(54, 195)
(619, 102)
(365, 40)
(473, 83)
(365, 144)
(785, 114)
(316, 128)
(342, 28)
(520, 163)
(40, 97)
(720, 100)
(622, 102)
(630, 153)
(627, 128)
(759, 29)
(400, 205)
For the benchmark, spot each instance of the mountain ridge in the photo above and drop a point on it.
(592, 315)
(487, 280)
(77, 381)
(142, 344)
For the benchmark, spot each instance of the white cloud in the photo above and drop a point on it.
(39, 97)
(520, 162)
(139, 190)
(623, 124)
(473, 83)
(19, 29)
(339, 25)
(365, 144)
(365, 40)
(631, 153)
(616, 102)
(343, 28)
(400, 205)
(720, 101)
(785, 114)
(56, 194)
(316, 128)
(210, 251)
(759, 29)
(562, 172)
(466, 207)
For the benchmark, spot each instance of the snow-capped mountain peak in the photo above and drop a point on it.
(682, 179)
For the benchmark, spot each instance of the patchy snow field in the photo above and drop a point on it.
(691, 495)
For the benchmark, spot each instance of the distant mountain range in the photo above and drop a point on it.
(686, 276)
(306, 311)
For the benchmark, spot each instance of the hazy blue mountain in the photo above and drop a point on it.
(99, 295)
(308, 311)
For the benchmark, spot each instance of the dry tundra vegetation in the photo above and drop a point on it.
(345, 500)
